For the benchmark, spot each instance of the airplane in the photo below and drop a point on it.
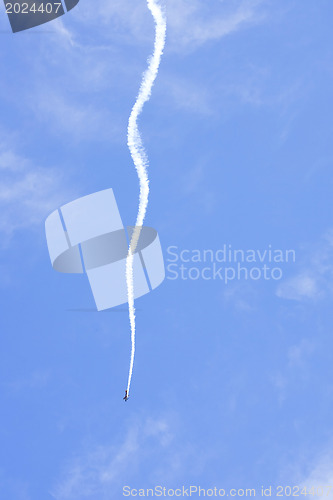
(126, 396)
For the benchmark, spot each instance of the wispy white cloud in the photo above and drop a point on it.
(296, 367)
(101, 471)
(27, 192)
(192, 185)
(320, 478)
(69, 116)
(313, 280)
(68, 82)
(241, 296)
(125, 21)
(196, 22)
(299, 353)
(187, 94)
(300, 287)
(314, 474)
(64, 33)
(149, 444)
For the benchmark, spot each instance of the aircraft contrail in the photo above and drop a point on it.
(140, 159)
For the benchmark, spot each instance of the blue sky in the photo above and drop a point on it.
(233, 383)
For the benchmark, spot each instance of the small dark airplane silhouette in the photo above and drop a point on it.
(126, 396)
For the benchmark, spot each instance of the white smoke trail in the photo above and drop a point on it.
(140, 159)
